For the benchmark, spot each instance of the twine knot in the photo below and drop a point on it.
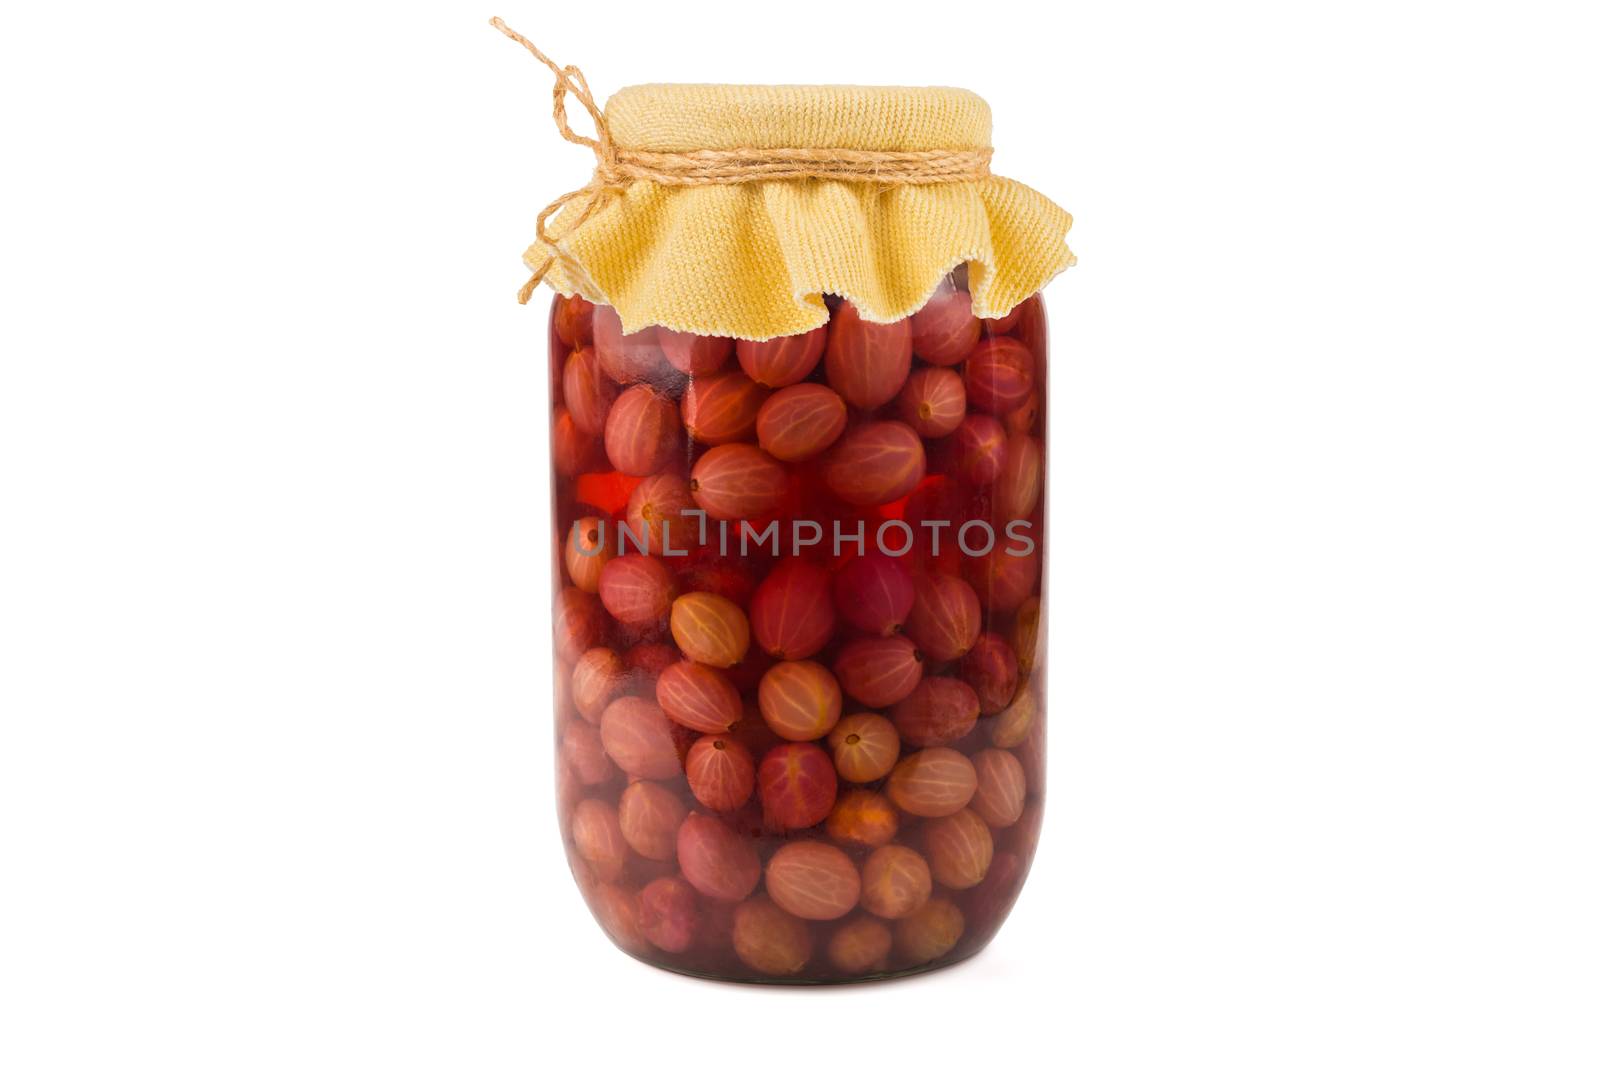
(615, 169)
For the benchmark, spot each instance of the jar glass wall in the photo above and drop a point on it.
(798, 635)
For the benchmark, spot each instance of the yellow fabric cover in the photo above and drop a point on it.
(753, 260)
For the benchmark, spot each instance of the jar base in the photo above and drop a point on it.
(959, 956)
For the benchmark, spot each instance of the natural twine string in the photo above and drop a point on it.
(615, 169)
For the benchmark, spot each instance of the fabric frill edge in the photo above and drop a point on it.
(755, 261)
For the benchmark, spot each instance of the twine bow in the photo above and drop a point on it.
(615, 169)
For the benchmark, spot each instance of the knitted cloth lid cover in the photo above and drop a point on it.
(752, 259)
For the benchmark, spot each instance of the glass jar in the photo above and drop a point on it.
(798, 631)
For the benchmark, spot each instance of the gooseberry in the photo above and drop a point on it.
(639, 739)
(642, 431)
(798, 785)
(933, 402)
(722, 409)
(865, 747)
(933, 782)
(875, 463)
(698, 697)
(1002, 787)
(938, 711)
(715, 860)
(783, 361)
(866, 362)
(597, 836)
(800, 422)
(667, 914)
(813, 880)
(959, 849)
(800, 700)
(769, 939)
(710, 629)
(999, 375)
(945, 617)
(895, 881)
(862, 817)
(878, 671)
(737, 481)
(649, 816)
(721, 772)
(636, 589)
(791, 613)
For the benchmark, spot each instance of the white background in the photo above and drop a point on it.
(275, 771)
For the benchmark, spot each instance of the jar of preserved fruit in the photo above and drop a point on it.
(798, 449)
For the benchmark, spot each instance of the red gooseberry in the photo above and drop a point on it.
(639, 739)
(865, 747)
(999, 375)
(656, 520)
(598, 678)
(572, 452)
(716, 860)
(875, 463)
(933, 782)
(580, 623)
(691, 353)
(945, 617)
(862, 817)
(722, 409)
(667, 914)
(929, 932)
(991, 669)
(866, 362)
(797, 785)
(860, 945)
(813, 880)
(895, 881)
(782, 361)
(597, 836)
(976, 451)
(721, 772)
(769, 939)
(636, 589)
(959, 849)
(938, 711)
(574, 320)
(1002, 787)
(642, 431)
(737, 481)
(878, 671)
(617, 911)
(1002, 580)
(791, 613)
(698, 697)
(944, 331)
(649, 816)
(588, 550)
(710, 629)
(933, 402)
(800, 700)
(584, 752)
(1011, 727)
(1017, 489)
(873, 592)
(588, 392)
(800, 421)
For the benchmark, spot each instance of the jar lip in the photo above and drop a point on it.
(684, 117)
